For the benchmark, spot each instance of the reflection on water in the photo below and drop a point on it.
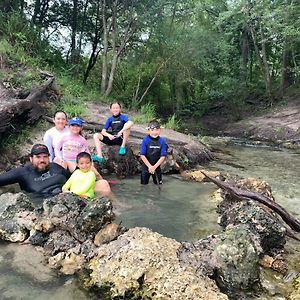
(280, 168)
(23, 276)
(181, 210)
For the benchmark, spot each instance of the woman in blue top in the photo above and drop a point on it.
(116, 131)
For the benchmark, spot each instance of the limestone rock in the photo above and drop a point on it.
(277, 264)
(107, 234)
(229, 258)
(264, 224)
(198, 176)
(145, 264)
(295, 295)
(11, 227)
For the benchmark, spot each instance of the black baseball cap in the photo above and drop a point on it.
(38, 149)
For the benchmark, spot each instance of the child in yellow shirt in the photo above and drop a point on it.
(82, 180)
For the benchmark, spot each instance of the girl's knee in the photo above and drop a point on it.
(97, 136)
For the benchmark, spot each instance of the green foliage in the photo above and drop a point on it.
(5, 48)
(75, 95)
(12, 141)
(28, 47)
(72, 107)
(26, 80)
(184, 60)
(147, 114)
(172, 123)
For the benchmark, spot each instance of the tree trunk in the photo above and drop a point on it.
(83, 25)
(161, 66)
(105, 47)
(73, 55)
(95, 43)
(37, 9)
(114, 49)
(28, 108)
(266, 69)
(286, 78)
(244, 54)
(262, 60)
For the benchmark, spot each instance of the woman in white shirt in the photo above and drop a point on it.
(54, 134)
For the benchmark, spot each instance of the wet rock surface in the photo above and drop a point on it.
(64, 226)
(139, 263)
(263, 223)
(10, 227)
(230, 258)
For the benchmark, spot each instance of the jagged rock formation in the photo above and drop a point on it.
(78, 235)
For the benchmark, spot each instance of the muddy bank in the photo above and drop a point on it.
(279, 126)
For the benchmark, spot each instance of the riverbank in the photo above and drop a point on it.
(278, 125)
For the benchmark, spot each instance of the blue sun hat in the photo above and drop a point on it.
(76, 121)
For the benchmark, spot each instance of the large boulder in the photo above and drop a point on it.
(12, 227)
(230, 258)
(184, 151)
(263, 222)
(145, 264)
(65, 226)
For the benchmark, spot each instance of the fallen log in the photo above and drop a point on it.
(247, 195)
(133, 133)
(184, 151)
(25, 107)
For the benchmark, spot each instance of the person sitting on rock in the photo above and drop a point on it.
(82, 181)
(116, 131)
(40, 177)
(153, 153)
(70, 146)
(54, 134)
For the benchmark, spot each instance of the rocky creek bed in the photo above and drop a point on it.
(80, 237)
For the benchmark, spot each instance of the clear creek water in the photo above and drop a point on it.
(181, 210)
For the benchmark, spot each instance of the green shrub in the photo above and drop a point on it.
(172, 123)
(72, 107)
(148, 113)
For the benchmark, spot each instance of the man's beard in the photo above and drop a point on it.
(45, 167)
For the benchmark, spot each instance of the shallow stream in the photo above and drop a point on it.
(181, 210)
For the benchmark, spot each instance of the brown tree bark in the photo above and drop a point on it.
(105, 27)
(74, 29)
(29, 107)
(98, 31)
(118, 44)
(244, 54)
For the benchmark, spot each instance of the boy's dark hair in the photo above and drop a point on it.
(83, 154)
(153, 124)
(115, 102)
(60, 111)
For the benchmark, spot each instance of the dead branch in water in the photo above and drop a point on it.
(247, 195)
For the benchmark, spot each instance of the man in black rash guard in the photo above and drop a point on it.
(40, 178)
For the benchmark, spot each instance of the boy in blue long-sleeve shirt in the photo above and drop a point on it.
(153, 153)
